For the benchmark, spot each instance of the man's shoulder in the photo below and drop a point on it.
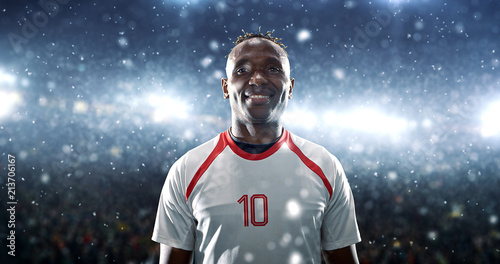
(314, 151)
(306, 145)
(203, 150)
(198, 154)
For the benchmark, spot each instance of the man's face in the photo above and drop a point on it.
(258, 84)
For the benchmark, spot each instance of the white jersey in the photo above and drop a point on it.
(281, 206)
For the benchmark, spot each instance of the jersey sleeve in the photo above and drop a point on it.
(174, 225)
(340, 228)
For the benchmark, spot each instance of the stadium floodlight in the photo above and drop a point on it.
(167, 108)
(6, 78)
(300, 118)
(490, 118)
(368, 120)
(8, 100)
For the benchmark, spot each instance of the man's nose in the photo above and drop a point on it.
(257, 79)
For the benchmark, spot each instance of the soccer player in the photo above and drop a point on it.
(257, 193)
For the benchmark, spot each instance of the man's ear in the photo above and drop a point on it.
(292, 83)
(225, 93)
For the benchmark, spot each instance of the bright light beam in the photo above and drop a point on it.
(491, 120)
(6, 78)
(368, 120)
(166, 108)
(8, 100)
(300, 118)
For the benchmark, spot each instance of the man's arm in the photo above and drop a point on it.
(170, 255)
(345, 255)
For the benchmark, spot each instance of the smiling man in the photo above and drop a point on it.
(258, 87)
(257, 193)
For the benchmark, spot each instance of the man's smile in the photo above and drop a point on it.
(258, 99)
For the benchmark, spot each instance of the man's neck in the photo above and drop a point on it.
(256, 133)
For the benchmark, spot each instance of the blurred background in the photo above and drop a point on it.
(99, 98)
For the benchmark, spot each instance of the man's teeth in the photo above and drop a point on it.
(259, 96)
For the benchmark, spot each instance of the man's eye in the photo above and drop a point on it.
(274, 69)
(241, 70)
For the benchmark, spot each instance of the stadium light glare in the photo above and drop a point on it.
(369, 120)
(8, 100)
(167, 108)
(6, 78)
(490, 118)
(300, 118)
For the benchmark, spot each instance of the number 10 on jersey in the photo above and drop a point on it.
(257, 200)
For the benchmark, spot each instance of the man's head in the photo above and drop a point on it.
(258, 82)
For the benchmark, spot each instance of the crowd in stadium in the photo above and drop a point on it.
(109, 219)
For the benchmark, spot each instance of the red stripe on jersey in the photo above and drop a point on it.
(226, 140)
(259, 156)
(309, 163)
(221, 145)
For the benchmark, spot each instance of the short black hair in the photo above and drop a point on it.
(267, 36)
